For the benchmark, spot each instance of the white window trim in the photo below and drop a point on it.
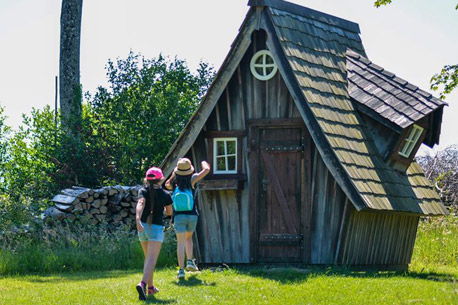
(226, 155)
(254, 65)
(411, 141)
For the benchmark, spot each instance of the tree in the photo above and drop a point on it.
(125, 128)
(447, 77)
(442, 170)
(69, 64)
(4, 134)
(141, 114)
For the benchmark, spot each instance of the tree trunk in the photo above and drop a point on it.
(69, 65)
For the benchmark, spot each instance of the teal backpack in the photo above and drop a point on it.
(183, 200)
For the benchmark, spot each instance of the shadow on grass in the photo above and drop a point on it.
(192, 281)
(290, 274)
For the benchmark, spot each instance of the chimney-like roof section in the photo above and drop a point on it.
(308, 13)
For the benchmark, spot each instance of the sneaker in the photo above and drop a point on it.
(180, 274)
(152, 290)
(141, 289)
(191, 265)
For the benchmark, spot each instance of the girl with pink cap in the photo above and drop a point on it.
(153, 201)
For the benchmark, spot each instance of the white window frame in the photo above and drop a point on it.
(411, 141)
(263, 65)
(226, 155)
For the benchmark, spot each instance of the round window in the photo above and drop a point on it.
(262, 65)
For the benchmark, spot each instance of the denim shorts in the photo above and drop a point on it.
(151, 233)
(185, 223)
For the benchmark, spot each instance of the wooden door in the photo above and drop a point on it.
(280, 177)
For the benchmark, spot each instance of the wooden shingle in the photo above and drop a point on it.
(307, 41)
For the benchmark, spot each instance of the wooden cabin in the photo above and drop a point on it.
(311, 146)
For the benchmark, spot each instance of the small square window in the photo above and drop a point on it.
(225, 158)
(411, 141)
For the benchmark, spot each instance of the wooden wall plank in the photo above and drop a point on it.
(228, 109)
(383, 236)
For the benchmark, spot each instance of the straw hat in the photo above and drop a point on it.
(184, 167)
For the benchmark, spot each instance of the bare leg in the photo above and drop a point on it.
(145, 251)
(154, 247)
(189, 245)
(181, 243)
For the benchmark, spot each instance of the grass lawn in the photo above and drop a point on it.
(255, 285)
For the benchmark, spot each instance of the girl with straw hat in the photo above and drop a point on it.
(183, 182)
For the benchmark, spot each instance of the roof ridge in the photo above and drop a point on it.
(307, 12)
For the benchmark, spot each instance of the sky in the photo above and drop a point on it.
(413, 39)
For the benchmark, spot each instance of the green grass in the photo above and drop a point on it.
(237, 286)
(436, 244)
(59, 258)
(78, 249)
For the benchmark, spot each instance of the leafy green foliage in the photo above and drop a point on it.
(448, 77)
(124, 129)
(379, 3)
(28, 166)
(4, 134)
(141, 114)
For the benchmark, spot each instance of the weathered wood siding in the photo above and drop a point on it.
(329, 211)
(223, 232)
(379, 239)
(223, 228)
(342, 235)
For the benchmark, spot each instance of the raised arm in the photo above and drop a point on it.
(201, 175)
(168, 183)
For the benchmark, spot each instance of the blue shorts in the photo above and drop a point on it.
(185, 223)
(151, 233)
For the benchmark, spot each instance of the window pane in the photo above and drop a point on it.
(260, 71)
(221, 163)
(230, 147)
(269, 60)
(220, 148)
(231, 163)
(416, 134)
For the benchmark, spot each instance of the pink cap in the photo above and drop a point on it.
(154, 173)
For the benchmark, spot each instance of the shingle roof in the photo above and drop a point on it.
(316, 52)
(314, 47)
(389, 96)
